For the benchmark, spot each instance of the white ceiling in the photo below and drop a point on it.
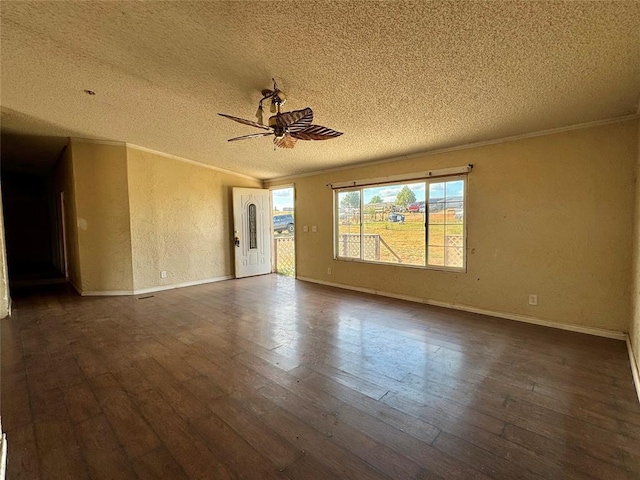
(396, 77)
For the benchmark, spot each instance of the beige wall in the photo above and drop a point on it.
(634, 327)
(4, 275)
(102, 211)
(180, 219)
(549, 215)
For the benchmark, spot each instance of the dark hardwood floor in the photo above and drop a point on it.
(268, 377)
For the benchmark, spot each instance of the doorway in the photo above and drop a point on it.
(251, 231)
(284, 229)
(33, 233)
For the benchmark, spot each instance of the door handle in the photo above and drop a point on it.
(236, 240)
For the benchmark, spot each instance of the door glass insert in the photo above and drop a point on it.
(253, 227)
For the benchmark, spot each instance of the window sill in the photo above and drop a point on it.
(437, 268)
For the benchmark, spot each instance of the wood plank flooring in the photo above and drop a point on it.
(271, 378)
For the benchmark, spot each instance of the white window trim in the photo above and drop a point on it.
(352, 187)
(442, 172)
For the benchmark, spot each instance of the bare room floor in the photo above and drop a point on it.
(268, 377)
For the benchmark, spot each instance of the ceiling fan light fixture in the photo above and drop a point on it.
(286, 127)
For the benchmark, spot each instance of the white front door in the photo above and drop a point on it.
(252, 231)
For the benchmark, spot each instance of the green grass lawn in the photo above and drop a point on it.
(407, 239)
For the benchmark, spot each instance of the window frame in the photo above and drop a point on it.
(427, 181)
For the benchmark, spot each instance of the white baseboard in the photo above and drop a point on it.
(634, 366)
(159, 288)
(600, 332)
(104, 293)
(182, 284)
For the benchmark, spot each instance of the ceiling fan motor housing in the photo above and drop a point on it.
(278, 129)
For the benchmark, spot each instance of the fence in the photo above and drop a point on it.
(453, 257)
(285, 256)
(349, 246)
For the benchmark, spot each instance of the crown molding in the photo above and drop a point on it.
(96, 141)
(466, 146)
(162, 154)
(193, 162)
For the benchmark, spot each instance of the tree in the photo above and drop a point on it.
(376, 199)
(351, 199)
(405, 197)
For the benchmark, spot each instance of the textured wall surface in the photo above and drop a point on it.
(102, 216)
(4, 276)
(180, 219)
(550, 215)
(397, 77)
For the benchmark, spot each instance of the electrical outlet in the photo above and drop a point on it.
(328, 271)
(533, 300)
(314, 228)
(305, 228)
(163, 274)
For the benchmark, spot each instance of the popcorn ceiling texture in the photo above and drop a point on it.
(397, 77)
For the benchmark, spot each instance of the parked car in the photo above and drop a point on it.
(458, 213)
(283, 223)
(416, 207)
(396, 217)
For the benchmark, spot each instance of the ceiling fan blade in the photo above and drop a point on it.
(296, 120)
(253, 135)
(316, 132)
(285, 142)
(245, 122)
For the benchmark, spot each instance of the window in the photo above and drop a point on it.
(418, 223)
(253, 227)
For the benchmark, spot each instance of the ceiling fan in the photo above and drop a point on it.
(288, 127)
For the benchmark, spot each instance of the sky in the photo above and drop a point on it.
(389, 193)
(283, 197)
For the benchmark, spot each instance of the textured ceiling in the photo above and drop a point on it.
(397, 77)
